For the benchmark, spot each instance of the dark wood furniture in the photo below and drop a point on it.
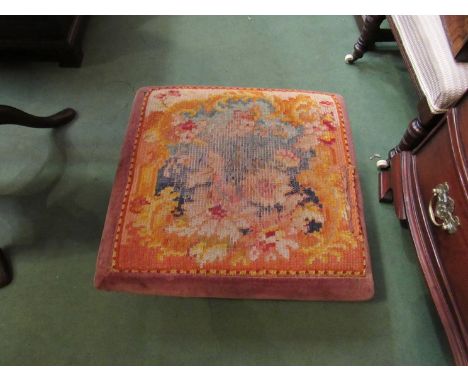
(428, 184)
(426, 178)
(13, 116)
(456, 29)
(55, 38)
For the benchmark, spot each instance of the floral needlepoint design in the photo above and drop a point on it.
(240, 181)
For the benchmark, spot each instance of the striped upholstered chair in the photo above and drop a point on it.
(441, 80)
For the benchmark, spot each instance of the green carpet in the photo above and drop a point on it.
(55, 186)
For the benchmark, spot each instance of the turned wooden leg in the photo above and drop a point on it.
(13, 116)
(413, 135)
(5, 273)
(417, 129)
(367, 38)
(390, 176)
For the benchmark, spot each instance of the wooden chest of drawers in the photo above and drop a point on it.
(429, 188)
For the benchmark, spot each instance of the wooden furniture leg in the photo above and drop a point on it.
(382, 34)
(390, 187)
(5, 274)
(13, 116)
(367, 38)
(417, 129)
(390, 176)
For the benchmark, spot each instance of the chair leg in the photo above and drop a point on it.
(5, 273)
(367, 38)
(13, 116)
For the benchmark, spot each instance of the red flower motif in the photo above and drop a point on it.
(218, 211)
(187, 126)
(136, 205)
(327, 140)
(326, 103)
(330, 125)
(174, 93)
(269, 246)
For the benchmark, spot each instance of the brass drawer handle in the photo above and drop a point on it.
(444, 207)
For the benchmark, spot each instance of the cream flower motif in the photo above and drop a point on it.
(208, 215)
(270, 244)
(266, 187)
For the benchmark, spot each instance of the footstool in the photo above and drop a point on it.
(236, 193)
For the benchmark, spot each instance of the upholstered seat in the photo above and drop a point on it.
(237, 193)
(441, 79)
